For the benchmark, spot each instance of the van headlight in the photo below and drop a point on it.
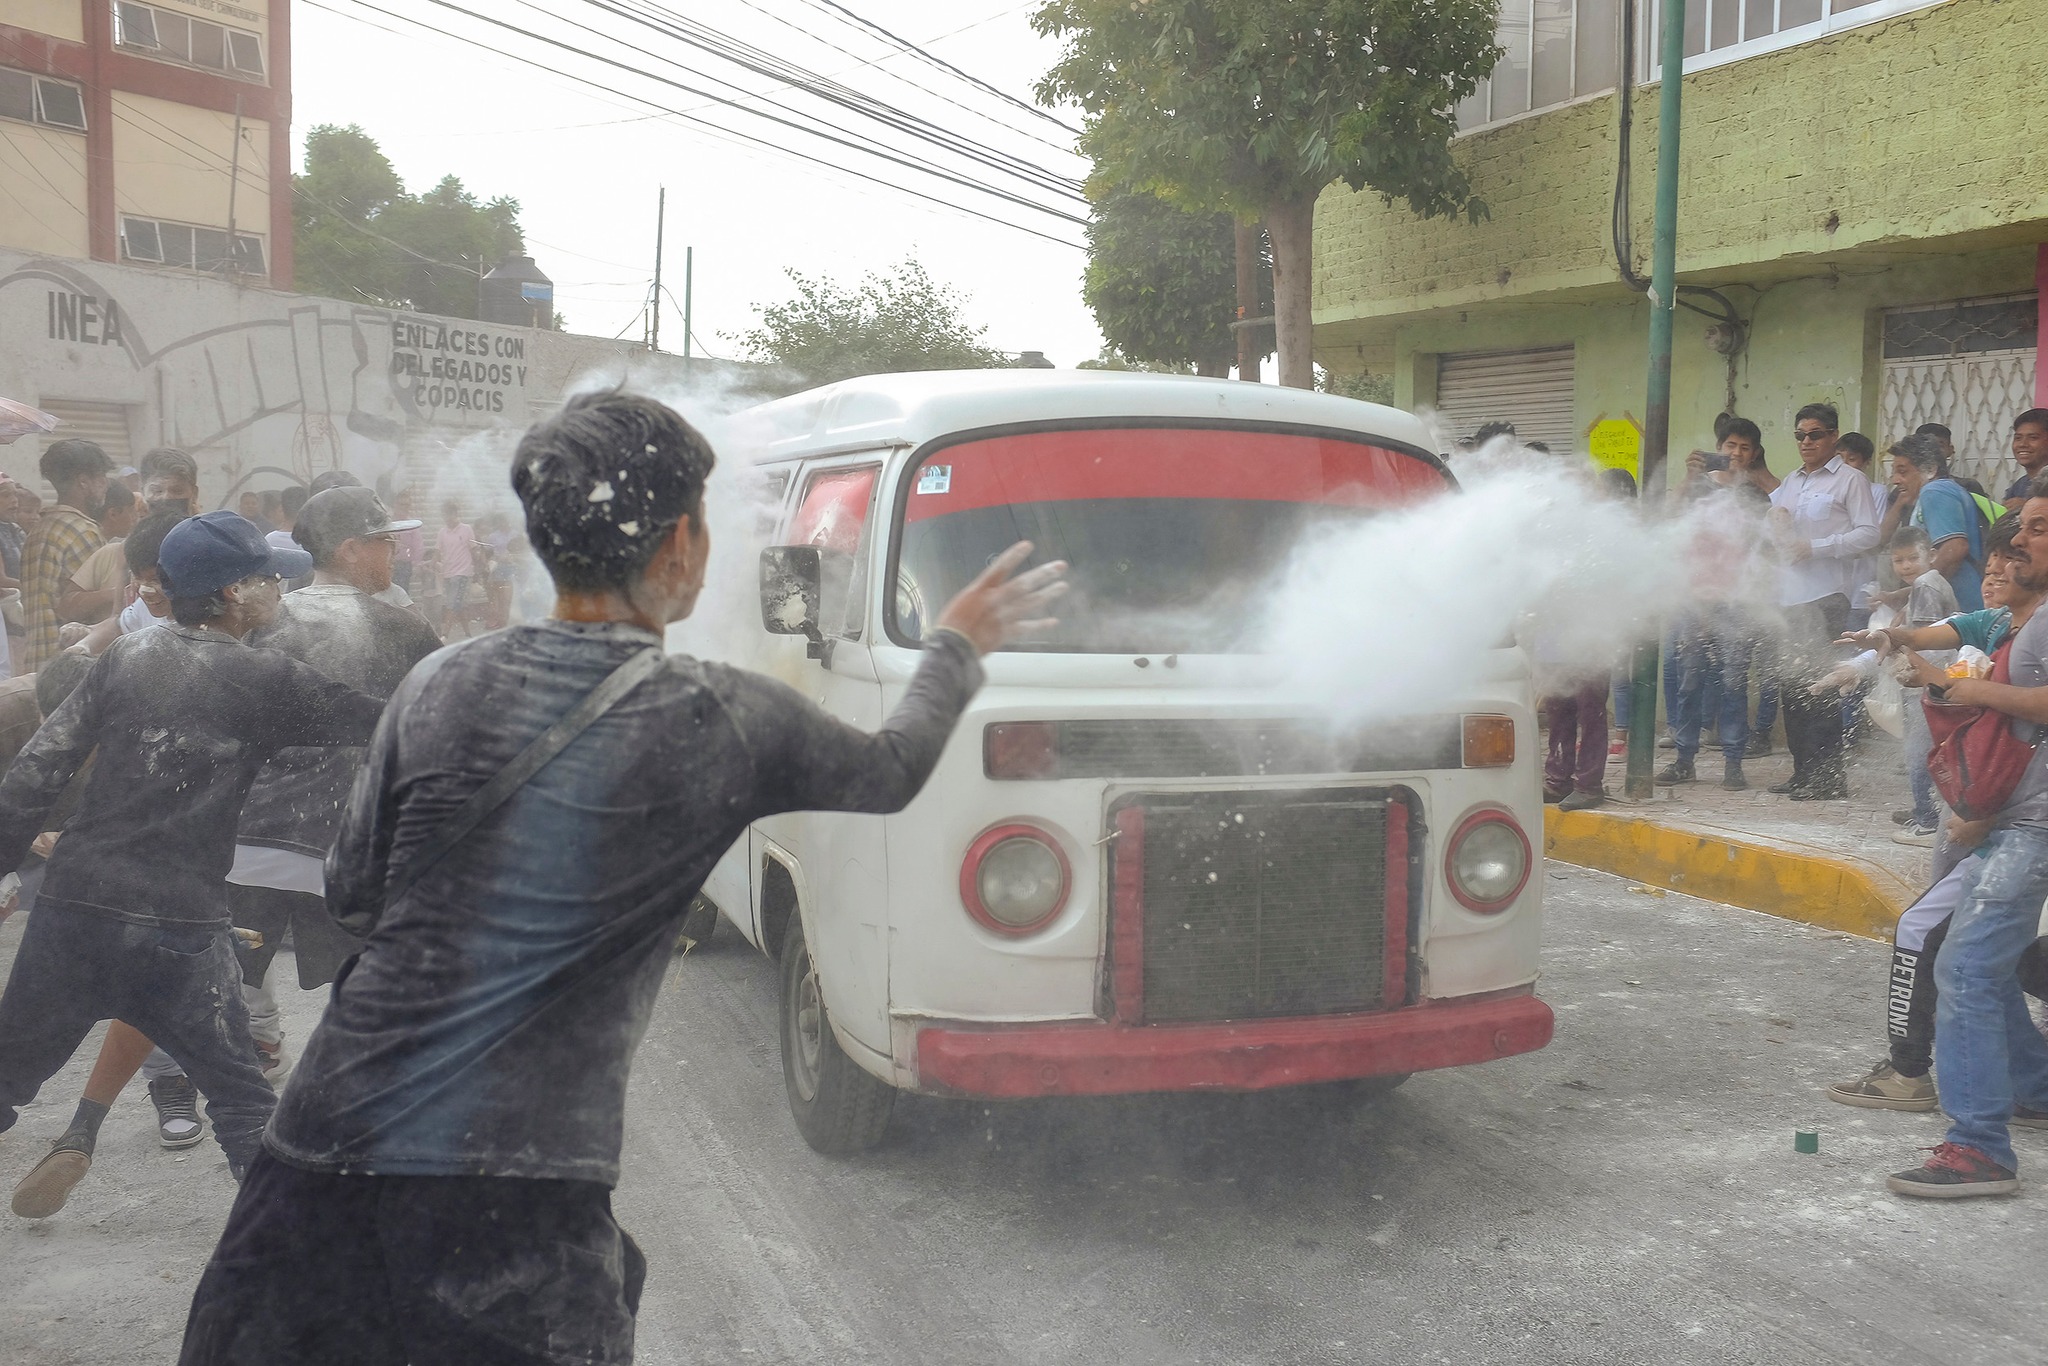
(1014, 879)
(1487, 861)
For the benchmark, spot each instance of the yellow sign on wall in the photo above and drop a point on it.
(1616, 443)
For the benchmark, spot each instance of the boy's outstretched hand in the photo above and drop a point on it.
(996, 608)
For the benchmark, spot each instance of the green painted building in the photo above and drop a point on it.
(1864, 181)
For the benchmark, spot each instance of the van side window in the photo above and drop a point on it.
(833, 514)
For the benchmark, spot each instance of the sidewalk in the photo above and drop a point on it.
(1832, 864)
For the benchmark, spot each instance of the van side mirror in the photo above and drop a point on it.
(802, 587)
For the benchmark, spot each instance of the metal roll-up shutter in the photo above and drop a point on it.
(1532, 389)
(103, 424)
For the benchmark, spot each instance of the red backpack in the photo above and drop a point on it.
(1977, 761)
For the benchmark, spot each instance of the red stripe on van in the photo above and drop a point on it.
(1067, 466)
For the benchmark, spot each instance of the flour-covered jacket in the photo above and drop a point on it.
(183, 718)
(488, 1026)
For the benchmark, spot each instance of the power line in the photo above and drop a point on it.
(729, 134)
(941, 63)
(764, 63)
(877, 61)
(867, 146)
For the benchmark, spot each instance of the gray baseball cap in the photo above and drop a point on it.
(341, 514)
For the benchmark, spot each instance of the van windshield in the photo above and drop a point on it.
(1175, 536)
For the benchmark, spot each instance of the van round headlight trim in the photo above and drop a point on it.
(1488, 861)
(1015, 879)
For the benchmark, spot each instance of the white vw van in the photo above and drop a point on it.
(1138, 866)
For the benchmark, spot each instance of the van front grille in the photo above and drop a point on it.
(1259, 905)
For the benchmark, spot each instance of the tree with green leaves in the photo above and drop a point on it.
(1162, 281)
(891, 321)
(1255, 106)
(358, 235)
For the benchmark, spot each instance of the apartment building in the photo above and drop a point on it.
(148, 133)
(1863, 186)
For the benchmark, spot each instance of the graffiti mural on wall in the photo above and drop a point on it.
(251, 379)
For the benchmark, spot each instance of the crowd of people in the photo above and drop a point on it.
(216, 766)
(1804, 590)
(1782, 569)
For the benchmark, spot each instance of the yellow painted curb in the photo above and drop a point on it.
(1781, 878)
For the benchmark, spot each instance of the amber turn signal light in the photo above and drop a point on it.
(1489, 741)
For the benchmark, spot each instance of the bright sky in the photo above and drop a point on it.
(584, 163)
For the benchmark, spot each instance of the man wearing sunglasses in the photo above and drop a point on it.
(1823, 519)
(132, 918)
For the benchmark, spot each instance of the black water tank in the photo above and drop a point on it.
(517, 294)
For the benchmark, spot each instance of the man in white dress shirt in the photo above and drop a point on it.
(1824, 520)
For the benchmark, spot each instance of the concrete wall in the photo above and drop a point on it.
(1931, 125)
(44, 171)
(267, 388)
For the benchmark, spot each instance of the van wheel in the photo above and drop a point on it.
(839, 1108)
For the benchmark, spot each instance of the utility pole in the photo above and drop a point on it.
(689, 269)
(234, 261)
(1642, 720)
(654, 319)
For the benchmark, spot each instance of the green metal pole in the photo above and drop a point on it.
(1642, 727)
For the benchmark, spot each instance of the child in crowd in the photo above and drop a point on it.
(1927, 598)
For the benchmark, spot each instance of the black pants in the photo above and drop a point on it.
(321, 1270)
(1813, 725)
(318, 944)
(1910, 1003)
(176, 983)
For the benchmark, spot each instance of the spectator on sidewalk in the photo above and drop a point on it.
(2030, 450)
(1944, 510)
(63, 539)
(1929, 599)
(1860, 453)
(1715, 637)
(1822, 520)
(455, 559)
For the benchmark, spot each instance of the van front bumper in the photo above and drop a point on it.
(1096, 1058)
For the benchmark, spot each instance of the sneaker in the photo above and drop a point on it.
(1583, 801)
(1551, 797)
(1786, 788)
(1903, 817)
(1667, 742)
(1758, 747)
(1618, 750)
(1954, 1172)
(276, 1063)
(1882, 1088)
(1922, 835)
(2027, 1117)
(1732, 779)
(1676, 772)
(177, 1112)
(50, 1182)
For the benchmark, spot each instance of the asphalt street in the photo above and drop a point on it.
(1630, 1194)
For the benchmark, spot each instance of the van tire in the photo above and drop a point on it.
(839, 1108)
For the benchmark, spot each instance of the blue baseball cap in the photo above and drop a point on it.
(205, 554)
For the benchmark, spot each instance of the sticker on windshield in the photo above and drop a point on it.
(935, 479)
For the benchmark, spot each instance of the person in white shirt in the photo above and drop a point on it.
(1823, 519)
